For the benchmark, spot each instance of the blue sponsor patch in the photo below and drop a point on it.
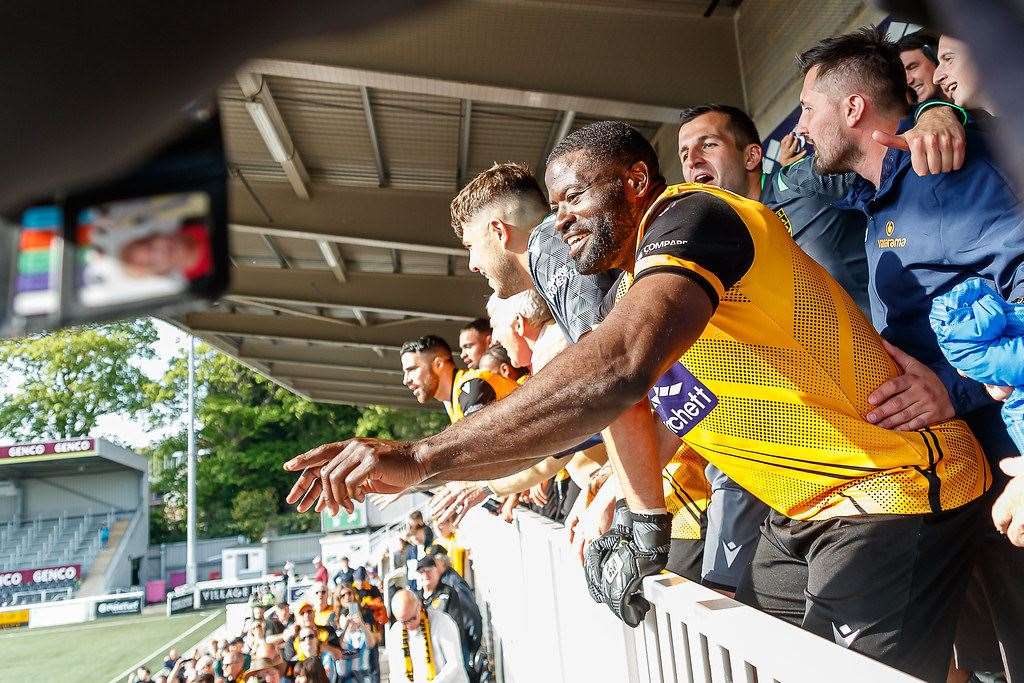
(681, 400)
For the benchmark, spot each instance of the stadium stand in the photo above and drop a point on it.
(75, 512)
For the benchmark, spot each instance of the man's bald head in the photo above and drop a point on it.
(405, 607)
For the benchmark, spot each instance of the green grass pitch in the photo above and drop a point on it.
(97, 651)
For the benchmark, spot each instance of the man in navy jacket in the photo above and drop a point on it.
(925, 235)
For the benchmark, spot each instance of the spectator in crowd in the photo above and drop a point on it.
(104, 534)
(267, 665)
(311, 647)
(233, 666)
(957, 77)
(450, 575)
(359, 638)
(423, 643)
(326, 633)
(371, 601)
(311, 671)
(474, 339)
(441, 597)
(278, 620)
(236, 648)
(925, 236)
(416, 520)
(142, 674)
(343, 576)
(497, 360)
(257, 613)
(918, 52)
(323, 613)
(319, 571)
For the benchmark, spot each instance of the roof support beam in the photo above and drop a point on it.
(382, 171)
(360, 399)
(333, 258)
(465, 91)
(271, 126)
(278, 308)
(557, 133)
(281, 258)
(289, 329)
(458, 298)
(314, 383)
(293, 367)
(299, 233)
(319, 356)
(360, 317)
(464, 133)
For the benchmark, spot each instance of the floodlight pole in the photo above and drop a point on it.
(190, 528)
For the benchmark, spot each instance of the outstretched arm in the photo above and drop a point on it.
(585, 387)
(577, 394)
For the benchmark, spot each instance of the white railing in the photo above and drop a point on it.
(543, 624)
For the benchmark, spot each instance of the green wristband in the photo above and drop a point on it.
(964, 117)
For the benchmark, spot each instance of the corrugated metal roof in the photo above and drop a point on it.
(419, 137)
(328, 125)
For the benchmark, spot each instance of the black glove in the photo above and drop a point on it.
(621, 530)
(617, 562)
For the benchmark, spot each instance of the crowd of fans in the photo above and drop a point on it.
(335, 631)
(331, 635)
(805, 381)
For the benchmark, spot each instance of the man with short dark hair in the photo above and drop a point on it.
(277, 622)
(925, 236)
(430, 373)
(719, 145)
(497, 360)
(709, 275)
(474, 338)
(918, 52)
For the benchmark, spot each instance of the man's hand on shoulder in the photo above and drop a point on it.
(937, 143)
(1008, 510)
(912, 401)
(335, 474)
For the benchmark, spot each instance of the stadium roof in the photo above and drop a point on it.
(346, 152)
(67, 456)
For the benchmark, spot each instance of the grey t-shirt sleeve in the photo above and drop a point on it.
(575, 300)
(800, 179)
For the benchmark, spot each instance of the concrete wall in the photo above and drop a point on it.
(79, 494)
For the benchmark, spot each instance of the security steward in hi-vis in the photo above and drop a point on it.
(762, 365)
(428, 369)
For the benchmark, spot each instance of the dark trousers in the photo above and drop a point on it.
(888, 586)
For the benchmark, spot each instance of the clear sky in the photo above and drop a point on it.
(126, 430)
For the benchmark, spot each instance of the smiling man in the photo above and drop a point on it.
(957, 76)
(745, 349)
(430, 373)
(918, 54)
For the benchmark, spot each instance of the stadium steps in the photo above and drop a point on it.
(93, 583)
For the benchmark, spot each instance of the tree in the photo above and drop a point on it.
(248, 427)
(70, 378)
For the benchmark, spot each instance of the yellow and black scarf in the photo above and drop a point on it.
(425, 630)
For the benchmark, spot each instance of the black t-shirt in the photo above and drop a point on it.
(697, 228)
(274, 626)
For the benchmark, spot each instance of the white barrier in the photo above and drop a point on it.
(78, 610)
(544, 625)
